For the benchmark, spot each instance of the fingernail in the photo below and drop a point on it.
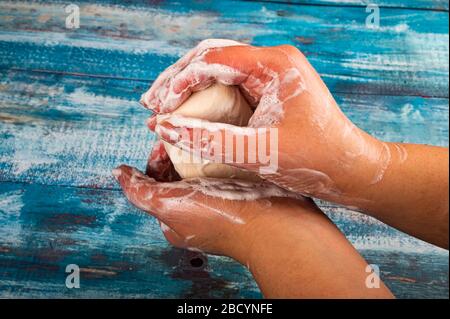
(116, 173)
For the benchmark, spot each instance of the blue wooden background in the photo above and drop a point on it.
(69, 114)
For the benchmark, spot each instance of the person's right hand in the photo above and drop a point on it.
(321, 153)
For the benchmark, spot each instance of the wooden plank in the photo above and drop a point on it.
(76, 125)
(438, 5)
(59, 129)
(403, 57)
(441, 5)
(72, 130)
(122, 253)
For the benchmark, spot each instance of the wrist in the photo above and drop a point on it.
(367, 162)
(273, 230)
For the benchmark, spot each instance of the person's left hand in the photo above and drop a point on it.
(210, 215)
(291, 248)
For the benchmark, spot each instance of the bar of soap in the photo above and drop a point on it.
(218, 103)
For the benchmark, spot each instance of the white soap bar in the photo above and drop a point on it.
(218, 103)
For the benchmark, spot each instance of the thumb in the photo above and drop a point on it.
(149, 195)
(253, 149)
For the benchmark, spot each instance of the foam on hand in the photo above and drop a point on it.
(218, 103)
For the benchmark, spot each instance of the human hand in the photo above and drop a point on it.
(320, 152)
(210, 215)
(292, 249)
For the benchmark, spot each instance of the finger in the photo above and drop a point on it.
(225, 65)
(154, 97)
(178, 204)
(257, 71)
(195, 76)
(151, 122)
(254, 149)
(147, 194)
(159, 165)
(266, 78)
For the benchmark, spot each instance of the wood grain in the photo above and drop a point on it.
(401, 57)
(122, 253)
(441, 5)
(69, 114)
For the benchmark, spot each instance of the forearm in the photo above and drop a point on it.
(412, 194)
(301, 254)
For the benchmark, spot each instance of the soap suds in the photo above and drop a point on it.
(384, 161)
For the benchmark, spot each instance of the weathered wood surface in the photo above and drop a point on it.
(402, 57)
(441, 5)
(122, 253)
(69, 114)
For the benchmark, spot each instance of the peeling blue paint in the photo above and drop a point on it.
(69, 114)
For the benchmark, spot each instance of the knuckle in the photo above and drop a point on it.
(206, 44)
(289, 49)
